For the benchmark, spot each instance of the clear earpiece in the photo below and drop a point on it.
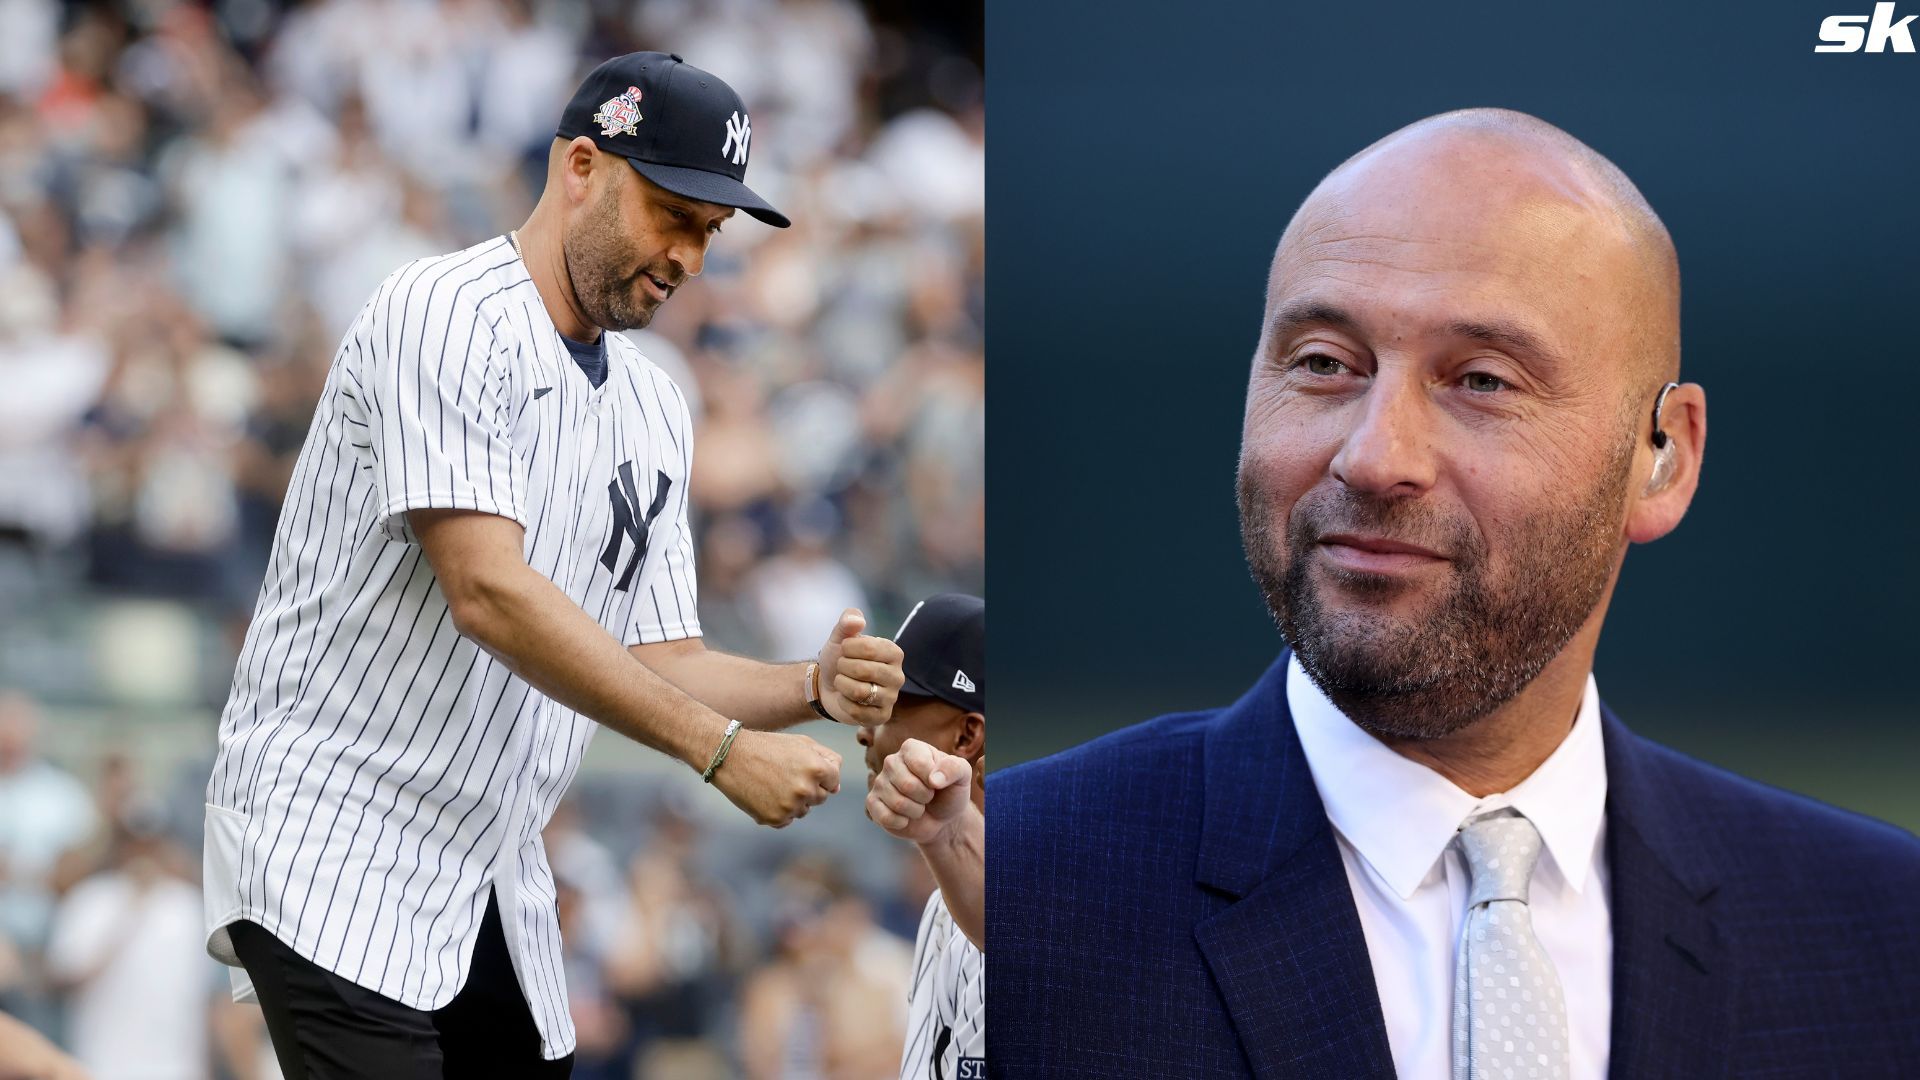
(1662, 445)
(1662, 468)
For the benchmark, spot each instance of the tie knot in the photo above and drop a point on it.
(1501, 849)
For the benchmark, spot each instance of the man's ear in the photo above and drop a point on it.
(970, 741)
(1654, 512)
(578, 160)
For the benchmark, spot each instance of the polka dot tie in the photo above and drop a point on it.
(1509, 1017)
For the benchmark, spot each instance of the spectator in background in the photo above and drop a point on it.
(600, 1028)
(590, 895)
(233, 199)
(44, 811)
(115, 790)
(791, 589)
(162, 439)
(594, 874)
(356, 217)
(669, 959)
(831, 1002)
(53, 373)
(730, 547)
(127, 950)
(734, 464)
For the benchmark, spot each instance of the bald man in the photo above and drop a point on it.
(1420, 846)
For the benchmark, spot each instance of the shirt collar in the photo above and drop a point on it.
(1400, 815)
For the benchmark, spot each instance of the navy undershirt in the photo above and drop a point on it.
(592, 358)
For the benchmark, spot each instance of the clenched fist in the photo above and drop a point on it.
(777, 778)
(919, 792)
(860, 675)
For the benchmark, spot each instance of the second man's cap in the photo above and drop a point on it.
(944, 639)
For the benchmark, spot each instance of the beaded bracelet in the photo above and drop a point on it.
(720, 755)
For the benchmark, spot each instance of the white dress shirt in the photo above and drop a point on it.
(1394, 820)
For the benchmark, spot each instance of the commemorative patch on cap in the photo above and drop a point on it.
(619, 114)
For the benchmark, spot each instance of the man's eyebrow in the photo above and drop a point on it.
(1304, 313)
(1502, 334)
(692, 206)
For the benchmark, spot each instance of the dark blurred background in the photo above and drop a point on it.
(1143, 167)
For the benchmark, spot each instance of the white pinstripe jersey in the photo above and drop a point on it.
(378, 773)
(947, 1005)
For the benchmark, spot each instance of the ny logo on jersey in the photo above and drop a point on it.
(738, 132)
(627, 525)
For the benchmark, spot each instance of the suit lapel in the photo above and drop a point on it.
(1673, 978)
(1288, 954)
(1291, 963)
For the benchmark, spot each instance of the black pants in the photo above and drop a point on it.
(326, 1028)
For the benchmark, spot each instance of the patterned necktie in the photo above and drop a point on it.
(1509, 1018)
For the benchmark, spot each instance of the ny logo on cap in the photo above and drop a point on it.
(738, 132)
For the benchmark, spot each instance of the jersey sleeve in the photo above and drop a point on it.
(669, 610)
(435, 394)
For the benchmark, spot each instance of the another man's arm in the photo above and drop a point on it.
(513, 612)
(925, 796)
(25, 1054)
(860, 677)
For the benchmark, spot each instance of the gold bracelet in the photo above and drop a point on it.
(720, 755)
(813, 691)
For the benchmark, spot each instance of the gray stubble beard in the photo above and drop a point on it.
(1484, 641)
(589, 249)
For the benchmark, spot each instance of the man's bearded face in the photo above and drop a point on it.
(1423, 654)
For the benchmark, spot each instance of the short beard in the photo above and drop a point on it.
(593, 248)
(1483, 641)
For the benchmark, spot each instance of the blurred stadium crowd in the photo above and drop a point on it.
(195, 199)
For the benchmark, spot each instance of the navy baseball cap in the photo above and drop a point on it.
(944, 642)
(678, 126)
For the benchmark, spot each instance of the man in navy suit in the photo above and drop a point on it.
(1420, 846)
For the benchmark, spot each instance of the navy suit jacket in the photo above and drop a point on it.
(1168, 901)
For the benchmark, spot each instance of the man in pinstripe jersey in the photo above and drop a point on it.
(491, 503)
(925, 783)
